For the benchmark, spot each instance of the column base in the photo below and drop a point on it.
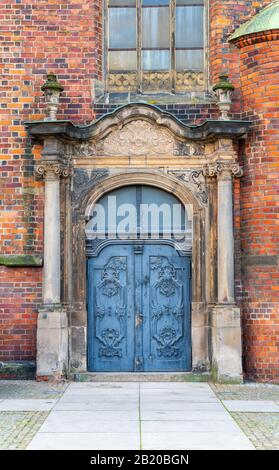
(226, 360)
(52, 342)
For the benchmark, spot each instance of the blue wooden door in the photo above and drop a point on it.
(111, 310)
(139, 309)
(166, 310)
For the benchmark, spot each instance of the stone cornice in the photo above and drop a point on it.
(206, 131)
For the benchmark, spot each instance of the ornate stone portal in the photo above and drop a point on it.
(138, 144)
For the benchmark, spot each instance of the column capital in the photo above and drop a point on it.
(222, 169)
(52, 170)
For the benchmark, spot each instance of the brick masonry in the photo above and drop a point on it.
(66, 38)
(259, 65)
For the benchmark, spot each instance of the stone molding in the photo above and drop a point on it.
(99, 129)
(52, 170)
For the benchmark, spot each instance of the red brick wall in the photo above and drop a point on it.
(20, 294)
(40, 36)
(224, 18)
(36, 37)
(259, 210)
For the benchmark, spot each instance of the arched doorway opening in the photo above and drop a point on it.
(139, 246)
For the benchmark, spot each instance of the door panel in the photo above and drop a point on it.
(111, 310)
(139, 310)
(166, 326)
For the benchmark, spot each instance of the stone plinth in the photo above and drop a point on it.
(52, 342)
(226, 343)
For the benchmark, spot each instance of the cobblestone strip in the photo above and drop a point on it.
(261, 428)
(13, 389)
(17, 428)
(246, 392)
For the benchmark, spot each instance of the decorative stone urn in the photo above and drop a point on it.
(52, 90)
(224, 91)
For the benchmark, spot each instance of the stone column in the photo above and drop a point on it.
(225, 250)
(52, 261)
(225, 316)
(52, 329)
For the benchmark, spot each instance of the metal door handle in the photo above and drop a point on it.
(139, 319)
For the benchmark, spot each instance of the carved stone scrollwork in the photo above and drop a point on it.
(84, 180)
(81, 150)
(189, 149)
(195, 180)
(52, 170)
(139, 138)
(220, 168)
(152, 81)
(190, 80)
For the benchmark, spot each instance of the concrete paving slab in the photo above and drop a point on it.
(27, 405)
(85, 441)
(106, 415)
(98, 399)
(177, 391)
(104, 385)
(175, 385)
(168, 400)
(102, 393)
(184, 415)
(100, 405)
(173, 405)
(258, 406)
(227, 426)
(195, 441)
(85, 421)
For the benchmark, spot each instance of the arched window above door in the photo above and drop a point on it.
(155, 45)
(139, 212)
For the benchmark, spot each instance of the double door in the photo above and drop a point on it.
(139, 309)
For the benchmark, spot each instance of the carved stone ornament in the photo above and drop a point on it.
(195, 180)
(220, 168)
(189, 149)
(84, 180)
(52, 170)
(81, 150)
(139, 138)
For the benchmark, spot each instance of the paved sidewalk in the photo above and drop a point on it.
(139, 416)
(133, 415)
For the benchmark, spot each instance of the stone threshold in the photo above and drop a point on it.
(140, 377)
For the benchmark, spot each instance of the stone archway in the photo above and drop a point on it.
(199, 323)
(138, 144)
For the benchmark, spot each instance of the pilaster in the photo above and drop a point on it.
(52, 331)
(226, 348)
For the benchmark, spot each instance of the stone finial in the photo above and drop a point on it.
(224, 90)
(52, 90)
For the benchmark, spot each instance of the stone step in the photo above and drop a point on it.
(140, 377)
